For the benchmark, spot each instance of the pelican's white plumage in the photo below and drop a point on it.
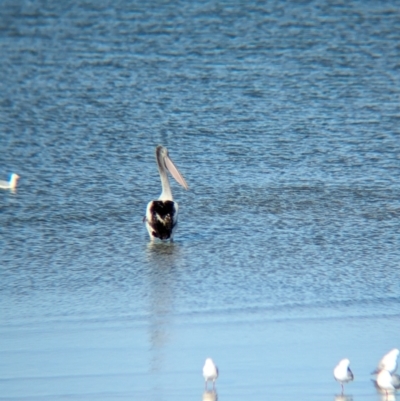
(388, 362)
(11, 184)
(342, 372)
(388, 382)
(162, 214)
(210, 372)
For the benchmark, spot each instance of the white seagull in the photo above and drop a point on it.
(342, 372)
(162, 214)
(388, 362)
(210, 372)
(387, 381)
(11, 184)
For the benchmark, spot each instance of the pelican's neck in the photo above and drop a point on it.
(166, 193)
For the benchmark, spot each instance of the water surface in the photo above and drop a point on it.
(284, 120)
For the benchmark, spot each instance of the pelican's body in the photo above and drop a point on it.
(388, 382)
(210, 372)
(388, 362)
(162, 214)
(11, 184)
(342, 372)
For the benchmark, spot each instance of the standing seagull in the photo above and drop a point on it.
(210, 372)
(342, 372)
(387, 381)
(11, 184)
(162, 214)
(388, 362)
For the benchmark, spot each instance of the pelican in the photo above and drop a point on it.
(162, 214)
(342, 372)
(210, 372)
(11, 184)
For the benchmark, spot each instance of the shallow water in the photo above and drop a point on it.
(284, 122)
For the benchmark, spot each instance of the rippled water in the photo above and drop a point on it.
(284, 120)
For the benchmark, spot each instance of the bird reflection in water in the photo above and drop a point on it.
(210, 395)
(162, 258)
(157, 250)
(343, 397)
(387, 397)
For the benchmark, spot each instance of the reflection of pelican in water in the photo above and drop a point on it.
(387, 383)
(11, 183)
(388, 362)
(210, 372)
(342, 372)
(158, 249)
(162, 214)
(210, 395)
(162, 260)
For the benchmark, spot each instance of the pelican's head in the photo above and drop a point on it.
(163, 158)
(161, 152)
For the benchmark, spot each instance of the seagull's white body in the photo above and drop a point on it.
(342, 372)
(388, 362)
(162, 214)
(11, 184)
(210, 372)
(387, 381)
